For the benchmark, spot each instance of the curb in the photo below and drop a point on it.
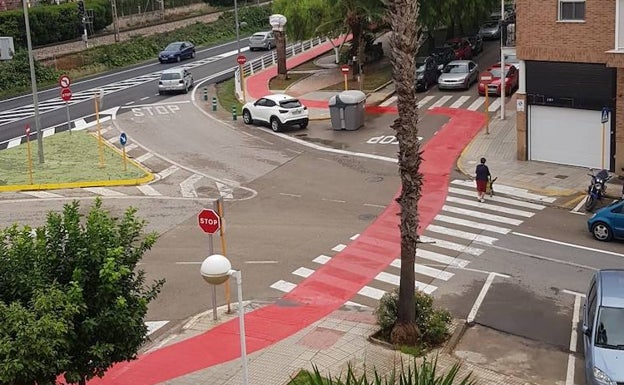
(457, 335)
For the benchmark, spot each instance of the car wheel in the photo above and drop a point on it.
(426, 85)
(590, 202)
(304, 125)
(193, 55)
(275, 124)
(161, 92)
(247, 117)
(178, 58)
(602, 232)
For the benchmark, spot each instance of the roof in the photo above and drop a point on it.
(612, 286)
(279, 97)
(173, 70)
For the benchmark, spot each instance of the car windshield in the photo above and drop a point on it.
(456, 69)
(496, 72)
(490, 25)
(170, 76)
(173, 47)
(257, 36)
(609, 332)
(292, 103)
(420, 64)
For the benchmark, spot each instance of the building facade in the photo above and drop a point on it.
(569, 103)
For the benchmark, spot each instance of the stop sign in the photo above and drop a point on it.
(66, 94)
(209, 221)
(241, 59)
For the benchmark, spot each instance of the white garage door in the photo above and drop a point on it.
(568, 136)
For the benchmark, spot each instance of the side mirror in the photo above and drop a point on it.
(586, 330)
(440, 67)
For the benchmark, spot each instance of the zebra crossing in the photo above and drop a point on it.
(462, 230)
(468, 102)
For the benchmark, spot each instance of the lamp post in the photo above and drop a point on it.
(502, 55)
(216, 269)
(33, 84)
(237, 27)
(277, 22)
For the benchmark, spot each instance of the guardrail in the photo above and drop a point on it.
(270, 59)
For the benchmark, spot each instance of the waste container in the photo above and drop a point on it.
(347, 110)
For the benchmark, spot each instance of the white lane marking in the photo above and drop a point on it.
(395, 280)
(261, 262)
(156, 104)
(371, 292)
(573, 340)
(471, 224)
(577, 208)
(350, 303)
(459, 102)
(481, 215)
(187, 186)
(543, 258)
(374, 205)
(475, 203)
(283, 286)
(568, 244)
(424, 101)
(476, 104)
(79, 124)
(354, 237)
(451, 245)
(333, 200)
(440, 102)
(41, 194)
(441, 258)
(388, 101)
(517, 192)
(144, 98)
(494, 105)
(168, 171)
(131, 147)
(225, 191)
(14, 142)
(104, 191)
(339, 247)
(148, 190)
(573, 292)
(303, 272)
(477, 304)
(291, 195)
(462, 234)
(153, 326)
(495, 198)
(103, 130)
(48, 132)
(322, 259)
(426, 270)
(144, 157)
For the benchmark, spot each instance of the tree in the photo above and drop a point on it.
(73, 284)
(404, 43)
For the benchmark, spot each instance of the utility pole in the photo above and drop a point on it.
(115, 20)
(33, 84)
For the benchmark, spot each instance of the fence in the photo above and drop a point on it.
(270, 59)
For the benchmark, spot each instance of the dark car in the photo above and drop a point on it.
(476, 42)
(427, 73)
(177, 51)
(443, 56)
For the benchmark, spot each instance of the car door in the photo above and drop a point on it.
(473, 70)
(589, 314)
(617, 220)
(271, 39)
(188, 79)
(263, 109)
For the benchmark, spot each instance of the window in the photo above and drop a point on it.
(572, 10)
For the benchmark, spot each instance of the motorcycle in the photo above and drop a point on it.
(597, 188)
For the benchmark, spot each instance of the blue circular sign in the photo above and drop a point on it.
(123, 139)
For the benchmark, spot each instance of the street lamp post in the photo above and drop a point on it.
(502, 55)
(216, 269)
(278, 22)
(33, 84)
(237, 27)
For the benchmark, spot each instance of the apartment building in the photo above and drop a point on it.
(569, 103)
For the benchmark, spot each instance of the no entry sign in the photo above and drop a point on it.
(209, 221)
(345, 69)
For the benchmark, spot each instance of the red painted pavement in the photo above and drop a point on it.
(326, 289)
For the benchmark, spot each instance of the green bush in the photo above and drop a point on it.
(432, 322)
(15, 74)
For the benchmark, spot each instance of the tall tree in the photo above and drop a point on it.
(75, 282)
(404, 42)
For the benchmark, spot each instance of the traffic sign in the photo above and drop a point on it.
(66, 94)
(344, 68)
(241, 59)
(604, 117)
(64, 81)
(27, 130)
(123, 139)
(209, 221)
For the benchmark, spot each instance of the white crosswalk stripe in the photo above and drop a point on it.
(426, 270)
(462, 234)
(509, 190)
(495, 105)
(472, 224)
(440, 102)
(395, 279)
(422, 102)
(482, 215)
(441, 258)
(496, 198)
(474, 251)
(476, 104)
(460, 101)
(487, 206)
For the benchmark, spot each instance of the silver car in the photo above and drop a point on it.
(490, 30)
(458, 74)
(176, 79)
(262, 40)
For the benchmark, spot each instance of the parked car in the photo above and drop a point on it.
(277, 110)
(476, 43)
(443, 56)
(458, 74)
(175, 79)
(177, 51)
(262, 40)
(490, 79)
(608, 222)
(462, 48)
(490, 30)
(513, 60)
(603, 328)
(427, 72)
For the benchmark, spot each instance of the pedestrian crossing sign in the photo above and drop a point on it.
(605, 115)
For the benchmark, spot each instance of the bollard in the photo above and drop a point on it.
(233, 112)
(214, 103)
(205, 94)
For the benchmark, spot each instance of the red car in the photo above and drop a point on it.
(491, 78)
(462, 48)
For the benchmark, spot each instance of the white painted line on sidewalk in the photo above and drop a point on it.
(131, 147)
(569, 244)
(322, 259)
(477, 304)
(350, 303)
(573, 292)
(487, 206)
(459, 102)
(481, 215)
(426, 270)
(496, 198)
(462, 234)
(153, 326)
(104, 191)
(168, 171)
(371, 292)
(14, 143)
(48, 132)
(494, 105)
(79, 124)
(388, 101)
(441, 258)
(42, 194)
(145, 157)
(573, 340)
(339, 247)
(440, 102)
(424, 101)
(283, 286)
(471, 224)
(354, 237)
(187, 186)
(261, 262)
(395, 280)
(577, 208)
(476, 104)
(148, 190)
(452, 245)
(303, 272)
(515, 191)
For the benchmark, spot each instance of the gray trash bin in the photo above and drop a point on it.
(347, 110)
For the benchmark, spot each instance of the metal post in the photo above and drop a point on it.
(233, 112)
(502, 53)
(214, 287)
(33, 84)
(602, 154)
(487, 111)
(237, 27)
(221, 211)
(241, 324)
(115, 20)
(214, 103)
(205, 94)
(68, 118)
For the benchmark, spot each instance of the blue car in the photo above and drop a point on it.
(608, 222)
(177, 51)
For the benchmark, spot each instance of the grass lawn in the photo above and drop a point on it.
(68, 158)
(227, 97)
(374, 77)
(279, 84)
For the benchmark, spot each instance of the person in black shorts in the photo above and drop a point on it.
(482, 177)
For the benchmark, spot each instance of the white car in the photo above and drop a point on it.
(277, 110)
(175, 79)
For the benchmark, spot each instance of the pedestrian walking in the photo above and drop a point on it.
(482, 177)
